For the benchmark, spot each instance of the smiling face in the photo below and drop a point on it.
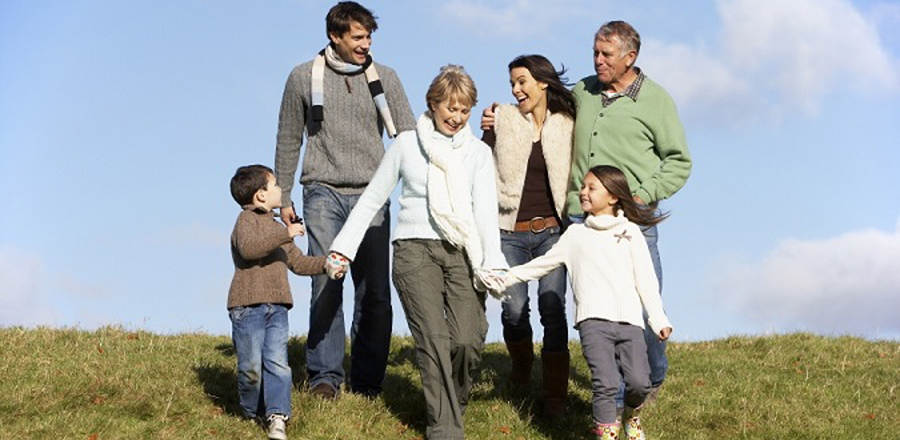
(595, 198)
(450, 115)
(353, 46)
(610, 62)
(529, 92)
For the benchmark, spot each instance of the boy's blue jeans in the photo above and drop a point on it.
(325, 211)
(260, 337)
(520, 248)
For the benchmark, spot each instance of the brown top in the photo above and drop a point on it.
(537, 201)
(262, 252)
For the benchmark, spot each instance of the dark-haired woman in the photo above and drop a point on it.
(532, 144)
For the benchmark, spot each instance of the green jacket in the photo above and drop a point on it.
(643, 137)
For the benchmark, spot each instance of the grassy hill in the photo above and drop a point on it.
(115, 384)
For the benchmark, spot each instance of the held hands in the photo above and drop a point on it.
(495, 281)
(336, 265)
(288, 215)
(664, 333)
(295, 229)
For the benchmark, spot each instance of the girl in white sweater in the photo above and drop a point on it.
(614, 283)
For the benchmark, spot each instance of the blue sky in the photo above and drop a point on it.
(121, 123)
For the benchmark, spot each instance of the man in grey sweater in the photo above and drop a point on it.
(344, 102)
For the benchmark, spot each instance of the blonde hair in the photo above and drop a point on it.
(452, 82)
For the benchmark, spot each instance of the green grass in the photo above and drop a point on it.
(116, 384)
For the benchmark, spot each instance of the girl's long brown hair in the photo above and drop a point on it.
(613, 179)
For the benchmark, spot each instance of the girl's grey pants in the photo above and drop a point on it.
(614, 351)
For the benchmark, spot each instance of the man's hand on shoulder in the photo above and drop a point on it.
(487, 117)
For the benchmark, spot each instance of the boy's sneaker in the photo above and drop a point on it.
(277, 430)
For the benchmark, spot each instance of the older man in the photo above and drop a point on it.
(626, 120)
(343, 102)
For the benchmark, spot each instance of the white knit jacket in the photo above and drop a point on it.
(610, 270)
(405, 161)
(513, 148)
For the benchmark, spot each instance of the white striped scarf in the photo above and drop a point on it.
(334, 61)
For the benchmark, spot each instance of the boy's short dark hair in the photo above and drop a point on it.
(341, 15)
(247, 181)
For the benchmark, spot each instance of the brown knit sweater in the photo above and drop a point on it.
(262, 252)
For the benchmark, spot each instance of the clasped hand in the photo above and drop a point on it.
(336, 265)
(495, 281)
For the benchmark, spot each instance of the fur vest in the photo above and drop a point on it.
(512, 150)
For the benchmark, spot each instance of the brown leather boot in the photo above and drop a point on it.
(556, 382)
(522, 356)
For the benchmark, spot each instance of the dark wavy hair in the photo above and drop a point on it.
(559, 97)
(343, 14)
(613, 179)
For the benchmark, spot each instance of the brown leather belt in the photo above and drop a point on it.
(536, 225)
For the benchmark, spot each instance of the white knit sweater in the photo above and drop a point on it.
(610, 270)
(405, 160)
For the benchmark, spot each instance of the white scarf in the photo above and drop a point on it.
(449, 188)
(603, 222)
(334, 61)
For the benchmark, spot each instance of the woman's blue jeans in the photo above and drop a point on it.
(520, 248)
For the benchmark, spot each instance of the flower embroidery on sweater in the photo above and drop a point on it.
(624, 235)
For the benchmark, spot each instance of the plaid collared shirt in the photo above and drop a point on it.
(631, 91)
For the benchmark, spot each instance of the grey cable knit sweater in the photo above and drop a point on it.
(344, 150)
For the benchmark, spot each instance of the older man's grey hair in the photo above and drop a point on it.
(623, 32)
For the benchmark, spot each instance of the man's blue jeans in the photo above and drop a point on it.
(260, 337)
(520, 248)
(656, 349)
(325, 211)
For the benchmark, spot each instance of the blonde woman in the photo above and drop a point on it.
(447, 233)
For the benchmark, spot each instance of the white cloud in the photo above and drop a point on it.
(511, 19)
(801, 49)
(703, 84)
(21, 302)
(775, 57)
(885, 14)
(846, 284)
(35, 294)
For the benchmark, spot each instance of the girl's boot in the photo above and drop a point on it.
(607, 431)
(631, 424)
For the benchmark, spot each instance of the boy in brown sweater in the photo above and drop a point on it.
(260, 296)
